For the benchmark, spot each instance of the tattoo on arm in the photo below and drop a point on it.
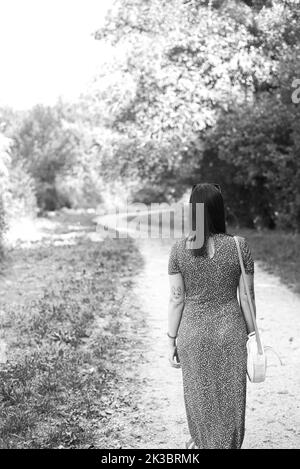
(177, 292)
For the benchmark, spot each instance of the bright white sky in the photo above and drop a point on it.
(46, 49)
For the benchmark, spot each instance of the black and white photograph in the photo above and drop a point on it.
(149, 227)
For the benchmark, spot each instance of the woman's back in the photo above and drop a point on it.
(208, 323)
(212, 341)
(211, 280)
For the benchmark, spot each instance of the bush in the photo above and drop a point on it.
(254, 153)
(2, 225)
(47, 147)
(17, 196)
(150, 194)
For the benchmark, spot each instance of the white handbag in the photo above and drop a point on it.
(256, 357)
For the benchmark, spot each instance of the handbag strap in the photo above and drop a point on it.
(257, 336)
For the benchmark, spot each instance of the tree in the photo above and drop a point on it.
(210, 87)
(47, 147)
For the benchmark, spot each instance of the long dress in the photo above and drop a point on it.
(211, 342)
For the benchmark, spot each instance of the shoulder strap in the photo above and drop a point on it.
(257, 336)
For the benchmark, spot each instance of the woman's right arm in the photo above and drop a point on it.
(244, 300)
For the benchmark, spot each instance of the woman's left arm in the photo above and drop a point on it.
(176, 305)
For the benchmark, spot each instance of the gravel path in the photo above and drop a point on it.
(273, 408)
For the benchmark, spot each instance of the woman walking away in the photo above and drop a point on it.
(206, 328)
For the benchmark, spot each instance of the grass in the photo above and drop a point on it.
(62, 383)
(278, 252)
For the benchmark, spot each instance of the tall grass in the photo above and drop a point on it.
(64, 350)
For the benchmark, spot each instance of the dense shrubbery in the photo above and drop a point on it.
(17, 190)
(53, 148)
(2, 225)
(47, 147)
(254, 153)
(209, 86)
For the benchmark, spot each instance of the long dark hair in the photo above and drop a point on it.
(214, 213)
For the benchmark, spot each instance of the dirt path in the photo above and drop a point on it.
(273, 408)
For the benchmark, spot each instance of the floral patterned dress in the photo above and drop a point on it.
(211, 342)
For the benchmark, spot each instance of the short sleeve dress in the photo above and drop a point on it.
(211, 342)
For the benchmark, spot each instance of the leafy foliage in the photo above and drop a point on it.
(57, 149)
(17, 196)
(209, 89)
(47, 147)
